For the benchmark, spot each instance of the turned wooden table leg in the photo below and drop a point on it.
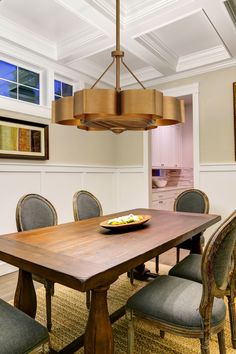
(98, 334)
(25, 296)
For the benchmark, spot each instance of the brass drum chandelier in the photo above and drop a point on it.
(115, 109)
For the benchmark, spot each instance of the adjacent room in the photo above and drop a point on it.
(117, 176)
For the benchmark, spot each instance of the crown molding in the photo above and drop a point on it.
(77, 45)
(137, 11)
(22, 36)
(203, 57)
(191, 73)
(151, 42)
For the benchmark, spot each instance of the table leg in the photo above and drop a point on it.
(25, 296)
(98, 334)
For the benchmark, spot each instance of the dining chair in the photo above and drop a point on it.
(86, 206)
(19, 332)
(33, 211)
(188, 308)
(192, 201)
(190, 268)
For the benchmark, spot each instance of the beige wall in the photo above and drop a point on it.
(69, 145)
(216, 114)
(216, 120)
(129, 148)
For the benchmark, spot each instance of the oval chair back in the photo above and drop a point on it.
(86, 206)
(33, 211)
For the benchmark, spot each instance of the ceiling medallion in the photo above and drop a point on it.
(115, 109)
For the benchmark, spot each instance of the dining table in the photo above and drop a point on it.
(86, 256)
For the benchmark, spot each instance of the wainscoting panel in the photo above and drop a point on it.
(131, 189)
(116, 188)
(218, 182)
(59, 188)
(103, 186)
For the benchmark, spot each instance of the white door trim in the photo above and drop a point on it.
(193, 90)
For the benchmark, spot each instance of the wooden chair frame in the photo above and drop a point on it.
(210, 290)
(48, 285)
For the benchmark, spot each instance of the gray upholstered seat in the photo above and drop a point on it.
(32, 212)
(86, 205)
(19, 333)
(186, 307)
(180, 307)
(192, 201)
(190, 268)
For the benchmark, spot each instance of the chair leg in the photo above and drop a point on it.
(221, 342)
(232, 318)
(162, 334)
(48, 287)
(157, 264)
(129, 316)
(52, 289)
(88, 299)
(177, 254)
(131, 278)
(205, 349)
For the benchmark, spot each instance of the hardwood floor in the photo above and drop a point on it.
(8, 282)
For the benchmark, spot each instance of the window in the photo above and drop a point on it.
(19, 83)
(61, 89)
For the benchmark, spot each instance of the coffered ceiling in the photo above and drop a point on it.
(162, 39)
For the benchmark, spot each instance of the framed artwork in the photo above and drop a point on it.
(23, 140)
(234, 100)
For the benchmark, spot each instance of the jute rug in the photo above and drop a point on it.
(69, 316)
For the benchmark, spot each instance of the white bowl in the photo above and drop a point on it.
(161, 183)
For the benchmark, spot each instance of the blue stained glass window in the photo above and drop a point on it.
(8, 71)
(8, 89)
(28, 94)
(57, 87)
(28, 78)
(66, 90)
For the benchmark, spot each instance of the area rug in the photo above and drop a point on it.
(69, 316)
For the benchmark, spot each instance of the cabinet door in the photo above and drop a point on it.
(157, 147)
(167, 146)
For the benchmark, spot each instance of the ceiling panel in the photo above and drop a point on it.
(45, 18)
(188, 35)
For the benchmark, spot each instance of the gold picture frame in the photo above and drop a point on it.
(21, 139)
(234, 101)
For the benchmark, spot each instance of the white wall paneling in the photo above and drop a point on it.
(218, 182)
(117, 189)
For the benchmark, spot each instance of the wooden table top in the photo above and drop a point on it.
(83, 255)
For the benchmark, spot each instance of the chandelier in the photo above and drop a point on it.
(115, 109)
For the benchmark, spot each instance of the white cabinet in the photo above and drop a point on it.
(167, 146)
(164, 199)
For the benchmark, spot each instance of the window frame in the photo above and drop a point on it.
(28, 68)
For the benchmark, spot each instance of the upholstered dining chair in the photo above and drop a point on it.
(190, 268)
(86, 206)
(19, 332)
(185, 307)
(192, 201)
(34, 211)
